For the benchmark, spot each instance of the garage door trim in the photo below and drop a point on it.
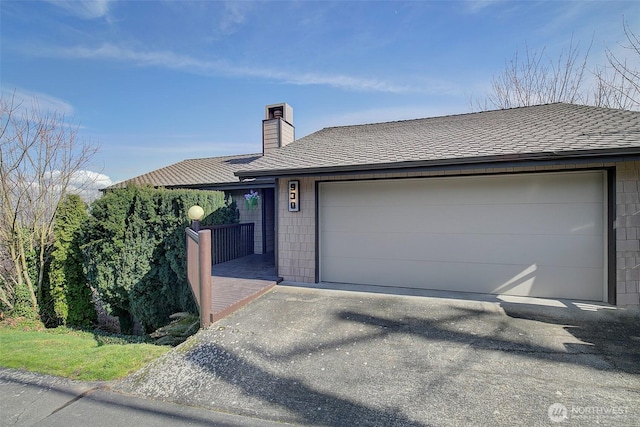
(608, 192)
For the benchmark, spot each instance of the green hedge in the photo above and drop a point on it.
(70, 295)
(135, 252)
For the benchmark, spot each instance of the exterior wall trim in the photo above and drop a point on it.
(317, 231)
(611, 235)
(276, 222)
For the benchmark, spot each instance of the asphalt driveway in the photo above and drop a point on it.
(326, 357)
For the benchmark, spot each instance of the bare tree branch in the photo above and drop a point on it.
(39, 154)
(619, 84)
(537, 79)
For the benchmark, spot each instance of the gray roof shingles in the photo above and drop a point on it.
(498, 135)
(194, 172)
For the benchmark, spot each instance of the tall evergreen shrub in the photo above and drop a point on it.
(68, 289)
(135, 253)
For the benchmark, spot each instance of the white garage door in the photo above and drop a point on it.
(536, 235)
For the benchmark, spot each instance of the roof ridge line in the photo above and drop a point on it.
(457, 115)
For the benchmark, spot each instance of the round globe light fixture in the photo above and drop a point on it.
(196, 213)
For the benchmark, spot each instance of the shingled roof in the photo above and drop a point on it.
(194, 172)
(551, 131)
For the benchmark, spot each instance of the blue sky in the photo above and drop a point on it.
(156, 82)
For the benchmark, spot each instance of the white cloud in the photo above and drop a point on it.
(87, 184)
(90, 178)
(86, 9)
(175, 61)
(45, 103)
(343, 82)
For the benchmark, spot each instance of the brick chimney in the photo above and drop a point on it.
(277, 127)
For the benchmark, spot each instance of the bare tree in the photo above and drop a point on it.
(618, 84)
(537, 79)
(534, 78)
(612, 90)
(39, 154)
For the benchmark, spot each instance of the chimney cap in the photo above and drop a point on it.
(279, 111)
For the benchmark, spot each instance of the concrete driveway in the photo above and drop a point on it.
(327, 357)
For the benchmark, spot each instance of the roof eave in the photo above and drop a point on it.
(510, 158)
(262, 182)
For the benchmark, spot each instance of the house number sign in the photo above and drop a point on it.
(294, 196)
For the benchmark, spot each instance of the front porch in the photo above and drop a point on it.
(240, 281)
(222, 280)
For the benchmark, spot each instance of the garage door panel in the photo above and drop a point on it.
(497, 189)
(468, 234)
(498, 249)
(522, 280)
(570, 218)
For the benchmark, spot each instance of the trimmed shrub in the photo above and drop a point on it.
(135, 254)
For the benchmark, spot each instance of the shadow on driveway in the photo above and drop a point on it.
(308, 404)
(615, 336)
(326, 357)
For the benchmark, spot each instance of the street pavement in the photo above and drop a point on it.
(30, 399)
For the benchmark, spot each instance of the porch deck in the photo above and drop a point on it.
(240, 281)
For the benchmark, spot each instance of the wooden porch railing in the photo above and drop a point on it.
(199, 272)
(230, 241)
(208, 246)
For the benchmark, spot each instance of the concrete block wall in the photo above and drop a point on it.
(297, 230)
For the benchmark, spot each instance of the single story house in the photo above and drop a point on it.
(538, 201)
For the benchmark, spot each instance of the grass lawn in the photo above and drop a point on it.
(73, 354)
